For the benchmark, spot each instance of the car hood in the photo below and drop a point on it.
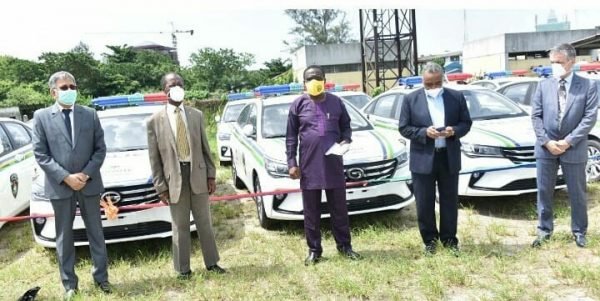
(505, 132)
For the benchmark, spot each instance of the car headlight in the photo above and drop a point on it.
(276, 169)
(402, 159)
(476, 150)
(224, 136)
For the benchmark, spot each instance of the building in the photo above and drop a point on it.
(166, 50)
(552, 24)
(524, 50)
(451, 60)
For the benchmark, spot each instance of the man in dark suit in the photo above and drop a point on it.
(564, 110)
(183, 173)
(68, 145)
(434, 119)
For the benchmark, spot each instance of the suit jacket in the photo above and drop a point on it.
(166, 172)
(415, 119)
(58, 158)
(578, 120)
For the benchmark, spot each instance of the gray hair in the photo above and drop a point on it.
(432, 67)
(60, 75)
(566, 49)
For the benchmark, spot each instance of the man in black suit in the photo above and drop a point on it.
(434, 119)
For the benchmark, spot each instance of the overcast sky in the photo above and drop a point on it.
(60, 25)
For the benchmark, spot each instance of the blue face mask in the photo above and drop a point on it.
(67, 97)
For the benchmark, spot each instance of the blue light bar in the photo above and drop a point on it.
(493, 75)
(410, 81)
(296, 87)
(119, 100)
(544, 71)
(274, 89)
(126, 100)
(240, 96)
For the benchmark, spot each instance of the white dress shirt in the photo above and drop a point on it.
(173, 122)
(438, 115)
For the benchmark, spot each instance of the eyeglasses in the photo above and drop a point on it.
(67, 87)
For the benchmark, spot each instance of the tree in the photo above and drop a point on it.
(317, 26)
(222, 69)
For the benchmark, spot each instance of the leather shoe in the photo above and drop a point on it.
(580, 240)
(70, 294)
(430, 248)
(312, 258)
(540, 240)
(105, 287)
(350, 254)
(216, 269)
(185, 275)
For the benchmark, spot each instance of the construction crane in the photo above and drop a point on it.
(174, 32)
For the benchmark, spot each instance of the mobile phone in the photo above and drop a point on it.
(441, 129)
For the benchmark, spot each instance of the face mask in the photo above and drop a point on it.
(315, 87)
(176, 93)
(433, 93)
(558, 70)
(67, 97)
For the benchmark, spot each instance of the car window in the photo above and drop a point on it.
(19, 134)
(516, 92)
(398, 109)
(384, 106)
(485, 104)
(232, 112)
(5, 146)
(358, 101)
(244, 115)
(125, 132)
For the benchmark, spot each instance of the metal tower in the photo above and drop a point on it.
(388, 43)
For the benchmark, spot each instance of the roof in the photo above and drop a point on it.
(406, 90)
(349, 93)
(591, 42)
(430, 57)
(133, 110)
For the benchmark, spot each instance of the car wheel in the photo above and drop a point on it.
(237, 182)
(263, 220)
(592, 170)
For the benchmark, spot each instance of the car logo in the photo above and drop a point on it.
(355, 173)
(114, 196)
(14, 184)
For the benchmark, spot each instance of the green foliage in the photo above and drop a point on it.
(376, 91)
(222, 69)
(196, 94)
(317, 26)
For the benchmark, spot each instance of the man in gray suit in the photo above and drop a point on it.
(564, 111)
(183, 173)
(68, 144)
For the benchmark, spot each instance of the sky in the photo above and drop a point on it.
(258, 29)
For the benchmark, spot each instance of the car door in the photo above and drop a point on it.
(16, 167)
(380, 111)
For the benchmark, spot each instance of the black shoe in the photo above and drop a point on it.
(185, 275)
(580, 240)
(105, 287)
(216, 269)
(540, 240)
(312, 258)
(350, 254)
(430, 248)
(70, 294)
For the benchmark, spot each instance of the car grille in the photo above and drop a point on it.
(370, 171)
(126, 231)
(135, 194)
(522, 154)
(523, 184)
(368, 203)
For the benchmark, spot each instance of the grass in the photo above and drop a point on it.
(496, 262)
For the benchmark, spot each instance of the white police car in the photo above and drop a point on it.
(16, 166)
(259, 161)
(126, 174)
(499, 147)
(231, 111)
(356, 98)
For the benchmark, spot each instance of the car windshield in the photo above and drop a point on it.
(274, 120)
(484, 105)
(232, 112)
(125, 133)
(358, 101)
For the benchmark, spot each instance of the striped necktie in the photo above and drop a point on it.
(183, 147)
(562, 100)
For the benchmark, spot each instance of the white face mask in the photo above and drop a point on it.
(433, 92)
(176, 93)
(558, 70)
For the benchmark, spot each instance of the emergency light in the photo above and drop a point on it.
(410, 81)
(518, 72)
(458, 76)
(133, 99)
(543, 71)
(587, 67)
(291, 88)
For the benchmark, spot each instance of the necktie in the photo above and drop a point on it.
(67, 113)
(562, 100)
(183, 147)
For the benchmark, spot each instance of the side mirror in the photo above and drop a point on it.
(217, 118)
(249, 130)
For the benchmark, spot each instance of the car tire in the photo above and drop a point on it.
(237, 182)
(592, 169)
(264, 221)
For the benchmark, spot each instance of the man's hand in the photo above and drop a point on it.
(164, 197)
(82, 177)
(294, 173)
(212, 186)
(74, 181)
(554, 148)
(564, 145)
(433, 133)
(448, 132)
